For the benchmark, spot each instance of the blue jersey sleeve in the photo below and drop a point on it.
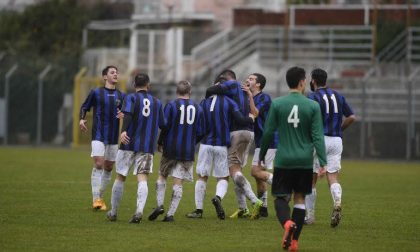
(128, 104)
(263, 104)
(347, 111)
(89, 102)
(162, 118)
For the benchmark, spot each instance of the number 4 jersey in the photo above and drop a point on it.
(298, 121)
(146, 117)
(185, 127)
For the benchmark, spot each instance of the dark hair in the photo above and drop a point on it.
(260, 79)
(105, 70)
(228, 73)
(141, 80)
(183, 87)
(294, 75)
(320, 76)
(219, 79)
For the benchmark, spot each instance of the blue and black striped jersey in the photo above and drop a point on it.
(333, 108)
(147, 117)
(218, 110)
(185, 127)
(262, 102)
(105, 122)
(233, 90)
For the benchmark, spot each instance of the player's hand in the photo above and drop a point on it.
(82, 125)
(245, 88)
(124, 138)
(160, 148)
(252, 116)
(120, 115)
(322, 171)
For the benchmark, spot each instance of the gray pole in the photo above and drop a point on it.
(410, 115)
(6, 98)
(363, 113)
(41, 77)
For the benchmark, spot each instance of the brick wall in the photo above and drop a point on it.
(248, 17)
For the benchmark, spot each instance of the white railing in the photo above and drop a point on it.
(405, 46)
(274, 45)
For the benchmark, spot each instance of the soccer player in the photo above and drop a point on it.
(241, 138)
(106, 102)
(299, 123)
(185, 128)
(143, 115)
(255, 84)
(333, 108)
(219, 111)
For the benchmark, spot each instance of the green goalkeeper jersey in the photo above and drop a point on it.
(298, 121)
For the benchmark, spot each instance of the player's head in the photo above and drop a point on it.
(183, 88)
(228, 74)
(295, 78)
(318, 78)
(141, 80)
(219, 79)
(110, 75)
(256, 81)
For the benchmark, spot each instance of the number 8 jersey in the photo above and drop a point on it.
(185, 127)
(147, 116)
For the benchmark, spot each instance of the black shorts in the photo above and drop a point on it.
(288, 181)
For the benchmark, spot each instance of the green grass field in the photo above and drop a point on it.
(45, 206)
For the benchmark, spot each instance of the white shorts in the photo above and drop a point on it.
(142, 163)
(333, 148)
(215, 157)
(176, 168)
(269, 158)
(99, 149)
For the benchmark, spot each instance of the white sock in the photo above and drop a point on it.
(240, 197)
(270, 179)
(160, 192)
(95, 179)
(117, 193)
(299, 206)
(142, 191)
(200, 192)
(176, 198)
(243, 183)
(264, 199)
(310, 200)
(336, 193)
(221, 188)
(105, 179)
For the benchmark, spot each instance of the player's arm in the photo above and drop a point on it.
(317, 133)
(215, 90)
(201, 127)
(270, 128)
(348, 113)
(348, 121)
(252, 106)
(164, 130)
(242, 120)
(87, 104)
(128, 117)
